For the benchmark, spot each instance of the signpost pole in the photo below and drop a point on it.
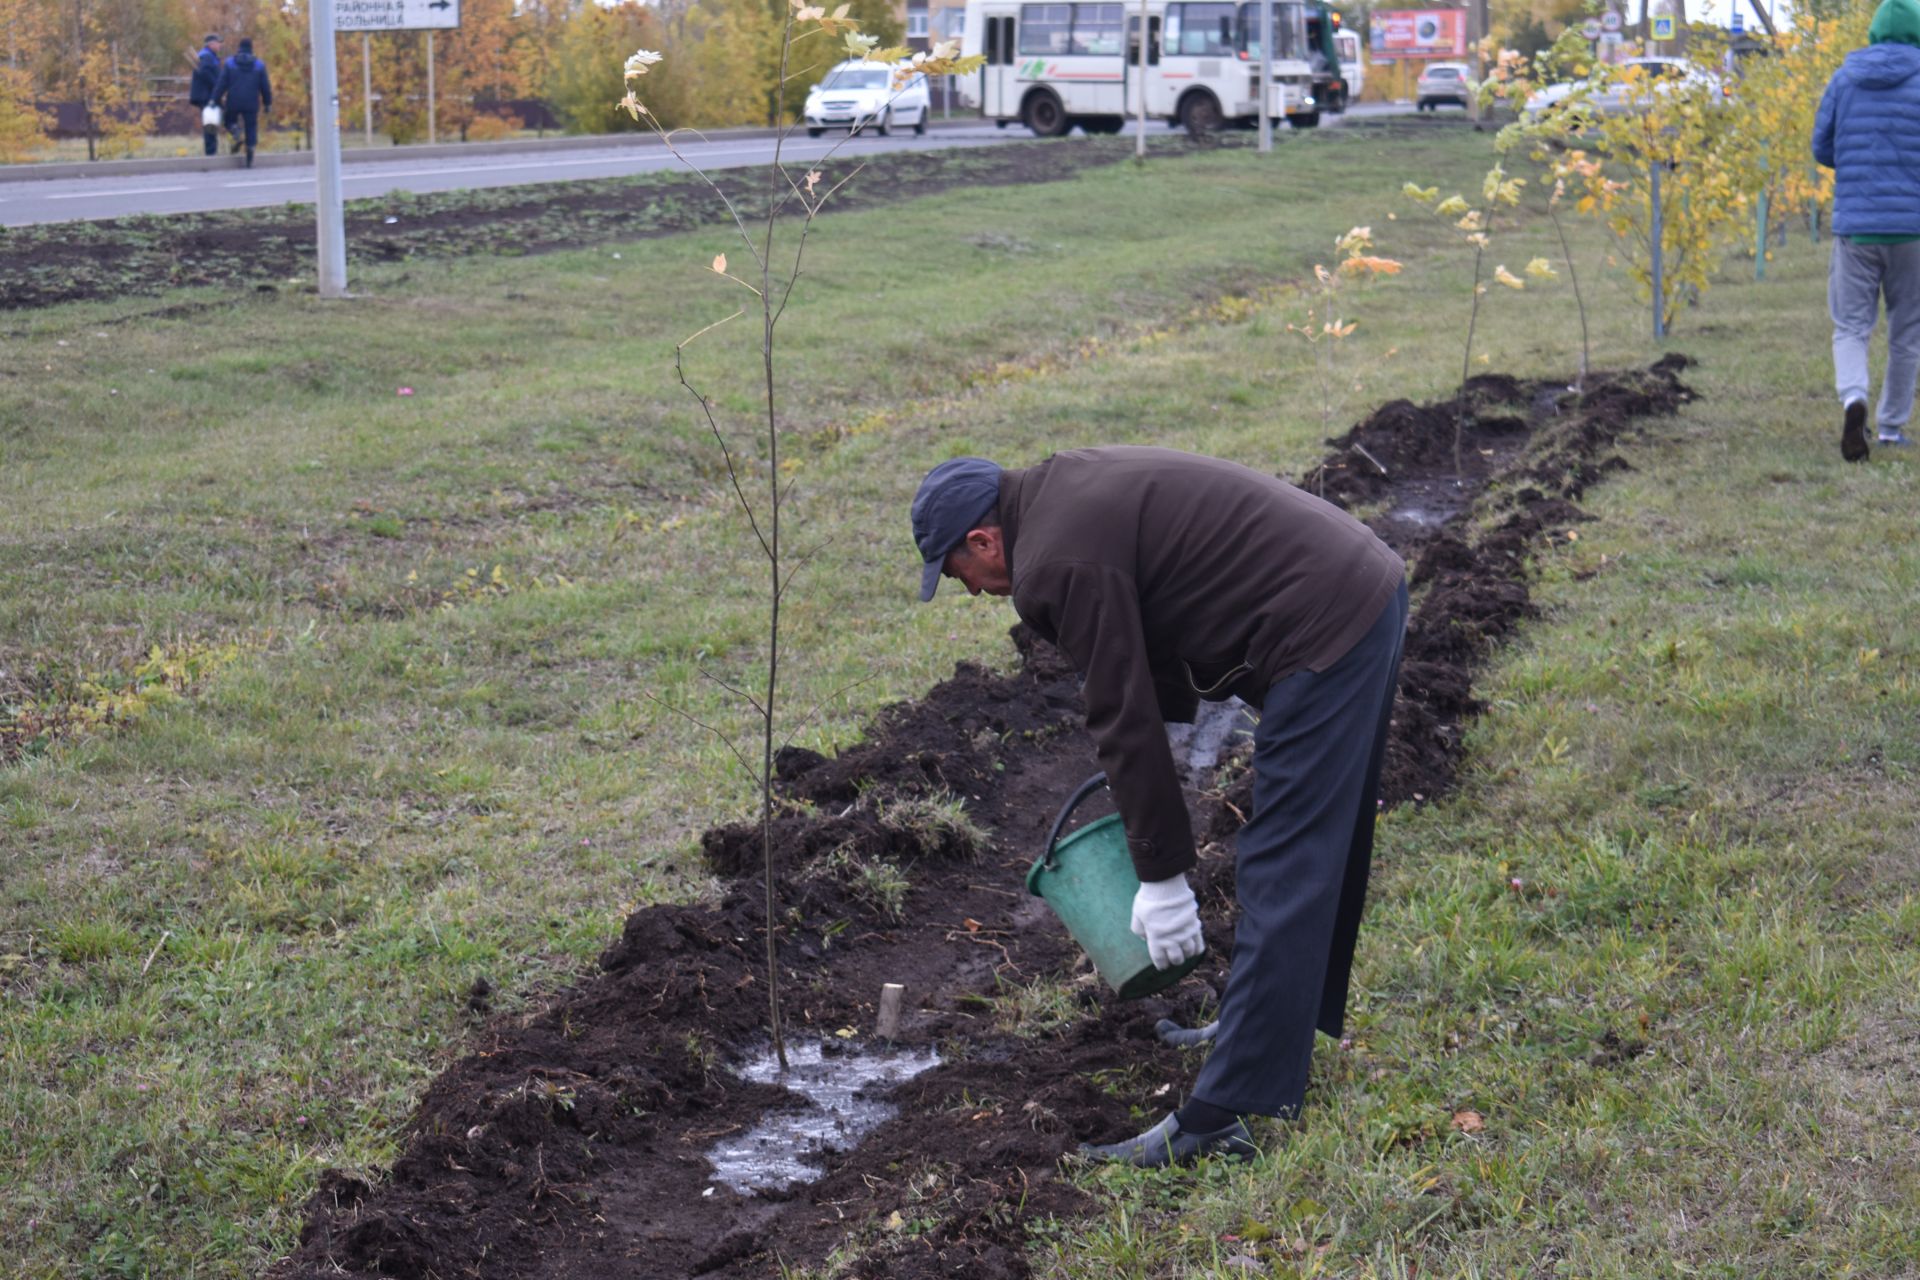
(332, 231)
(366, 84)
(432, 133)
(1266, 75)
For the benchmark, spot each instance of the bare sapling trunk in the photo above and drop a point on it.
(1466, 368)
(1579, 301)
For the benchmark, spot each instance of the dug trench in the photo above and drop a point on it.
(574, 1143)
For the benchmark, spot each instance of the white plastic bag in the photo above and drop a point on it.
(210, 115)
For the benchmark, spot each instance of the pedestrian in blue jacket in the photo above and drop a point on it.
(244, 92)
(206, 75)
(1868, 133)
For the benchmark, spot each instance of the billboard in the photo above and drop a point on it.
(1418, 33)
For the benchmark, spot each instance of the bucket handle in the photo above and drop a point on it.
(1086, 789)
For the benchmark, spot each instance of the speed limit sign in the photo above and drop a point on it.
(1610, 20)
(1590, 28)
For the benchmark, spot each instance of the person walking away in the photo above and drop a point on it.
(244, 92)
(206, 76)
(1168, 578)
(1868, 133)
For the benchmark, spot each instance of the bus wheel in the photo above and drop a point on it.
(1305, 120)
(1201, 115)
(1045, 116)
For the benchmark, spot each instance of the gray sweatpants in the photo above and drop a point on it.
(1860, 275)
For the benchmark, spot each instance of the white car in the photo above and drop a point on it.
(1616, 95)
(860, 95)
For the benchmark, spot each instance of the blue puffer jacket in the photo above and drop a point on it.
(206, 74)
(1868, 133)
(243, 84)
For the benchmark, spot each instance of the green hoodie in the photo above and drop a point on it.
(1897, 22)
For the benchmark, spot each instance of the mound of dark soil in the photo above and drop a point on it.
(572, 1144)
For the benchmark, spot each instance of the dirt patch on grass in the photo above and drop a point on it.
(266, 248)
(576, 1144)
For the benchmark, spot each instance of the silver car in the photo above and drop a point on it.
(1442, 82)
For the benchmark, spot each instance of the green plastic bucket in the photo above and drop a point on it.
(1088, 880)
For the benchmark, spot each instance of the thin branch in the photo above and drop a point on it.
(805, 556)
(686, 342)
(733, 689)
(815, 709)
(725, 741)
(733, 473)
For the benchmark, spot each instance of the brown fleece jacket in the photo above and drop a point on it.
(1167, 577)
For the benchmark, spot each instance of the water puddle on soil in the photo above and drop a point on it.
(784, 1148)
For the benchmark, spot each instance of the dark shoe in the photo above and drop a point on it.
(234, 150)
(249, 157)
(1166, 1143)
(1853, 435)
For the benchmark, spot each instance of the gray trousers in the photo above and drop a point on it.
(1858, 278)
(1301, 864)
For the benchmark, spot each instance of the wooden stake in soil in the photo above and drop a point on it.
(887, 1026)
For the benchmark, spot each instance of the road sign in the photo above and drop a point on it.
(1663, 26)
(395, 15)
(1590, 28)
(1609, 21)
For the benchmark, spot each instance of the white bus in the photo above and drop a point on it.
(1051, 66)
(1353, 68)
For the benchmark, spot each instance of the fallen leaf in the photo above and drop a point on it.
(720, 263)
(1469, 1121)
(846, 1033)
(973, 926)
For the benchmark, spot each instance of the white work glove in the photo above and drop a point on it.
(1167, 916)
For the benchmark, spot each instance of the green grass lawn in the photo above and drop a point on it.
(419, 641)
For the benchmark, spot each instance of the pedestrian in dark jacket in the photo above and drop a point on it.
(1168, 578)
(206, 76)
(244, 92)
(1868, 133)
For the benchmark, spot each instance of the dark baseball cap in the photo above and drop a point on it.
(951, 501)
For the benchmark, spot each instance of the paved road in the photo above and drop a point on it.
(78, 199)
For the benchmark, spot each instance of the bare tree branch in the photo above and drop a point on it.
(733, 474)
(733, 689)
(805, 556)
(688, 716)
(815, 709)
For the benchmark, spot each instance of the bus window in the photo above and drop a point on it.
(1045, 28)
(1200, 30)
(1289, 31)
(1096, 29)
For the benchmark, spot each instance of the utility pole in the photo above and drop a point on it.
(328, 215)
(1140, 87)
(1265, 96)
(432, 133)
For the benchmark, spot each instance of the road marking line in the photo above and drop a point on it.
(94, 195)
(271, 182)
